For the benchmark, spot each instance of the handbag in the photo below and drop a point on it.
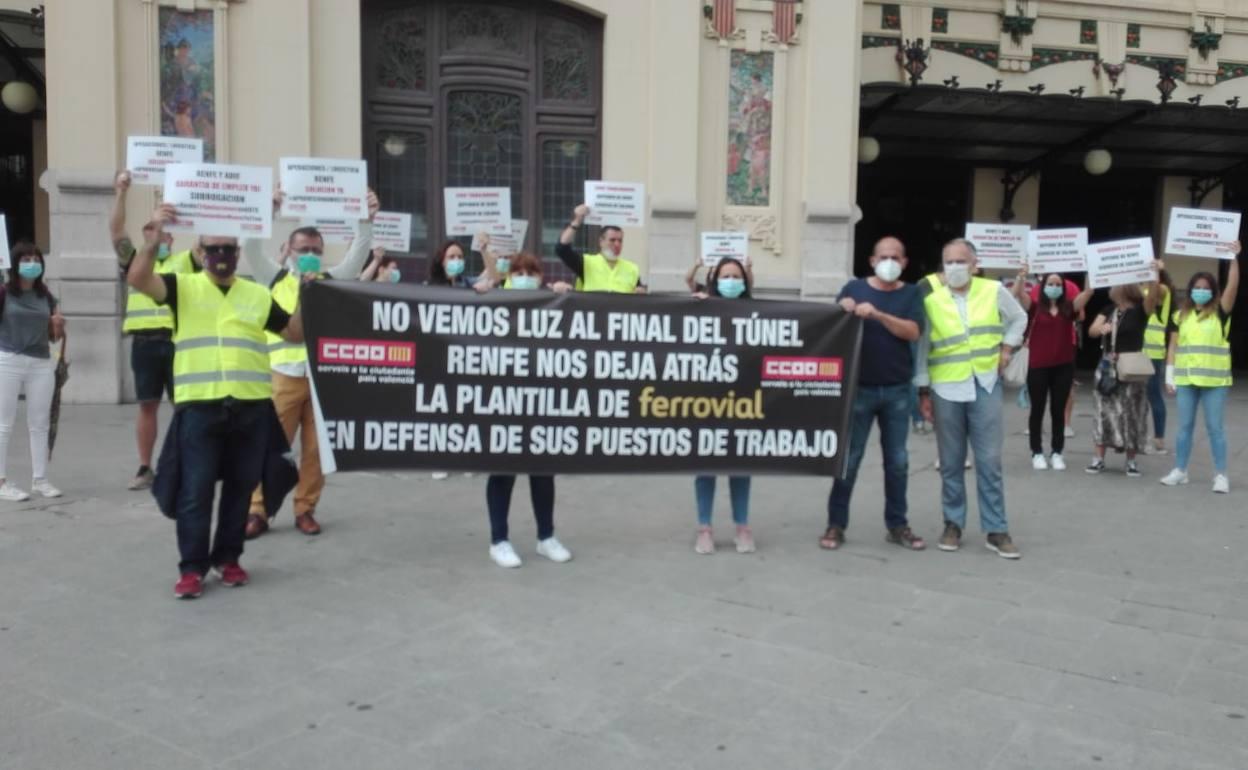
(1130, 367)
(1015, 372)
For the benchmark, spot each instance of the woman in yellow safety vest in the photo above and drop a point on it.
(1198, 368)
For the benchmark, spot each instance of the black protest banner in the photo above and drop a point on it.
(535, 382)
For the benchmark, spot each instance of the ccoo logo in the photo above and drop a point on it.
(803, 368)
(370, 352)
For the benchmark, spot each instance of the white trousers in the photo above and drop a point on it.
(37, 377)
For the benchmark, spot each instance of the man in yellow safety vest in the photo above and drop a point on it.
(223, 391)
(605, 270)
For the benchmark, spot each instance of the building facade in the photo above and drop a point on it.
(814, 126)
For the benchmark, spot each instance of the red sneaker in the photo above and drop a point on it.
(232, 575)
(189, 586)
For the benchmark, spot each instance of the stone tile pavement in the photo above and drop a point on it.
(1120, 640)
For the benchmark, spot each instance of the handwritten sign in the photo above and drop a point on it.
(716, 246)
(324, 189)
(1202, 233)
(622, 204)
(215, 199)
(1057, 251)
(4, 243)
(147, 156)
(392, 231)
(506, 245)
(340, 231)
(470, 210)
(1117, 263)
(1002, 247)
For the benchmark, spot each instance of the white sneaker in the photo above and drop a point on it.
(1038, 463)
(1174, 478)
(1056, 461)
(1221, 484)
(441, 475)
(552, 549)
(44, 488)
(1070, 432)
(12, 493)
(504, 555)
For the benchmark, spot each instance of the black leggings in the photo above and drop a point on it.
(498, 500)
(1051, 385)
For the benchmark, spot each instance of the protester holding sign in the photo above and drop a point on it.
(150, 327)
(1156, 344)
(1120, 400)
(1198, 369)
(974, 325)
(526, 274)
(381, 268)
(729, 280)
(605, 270)
(29, 321)
(893, 319)
(222, 385)
(1051, 361)
(292, 393)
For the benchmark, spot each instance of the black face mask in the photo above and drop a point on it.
(221, 265)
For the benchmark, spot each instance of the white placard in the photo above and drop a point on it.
(1117, 263)
(392, 231)
(470, 210)
(716, 246)
(4, 244)
(147, 156)
(998, 246)
(215, 199)
(339, 231)
(506, 245)
(1201, 232)
(622, 204)
(1057, 251)
(323, 188)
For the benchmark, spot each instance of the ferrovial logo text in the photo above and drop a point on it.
(367, 352)
(802, 368)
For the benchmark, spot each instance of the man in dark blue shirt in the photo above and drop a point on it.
(892, 312)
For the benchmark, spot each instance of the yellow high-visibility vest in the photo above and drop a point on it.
(142, 312)
(286, 294)
(220, 349)
(1155, 332)
(960, 350)
(600, 274)
(1203, 355)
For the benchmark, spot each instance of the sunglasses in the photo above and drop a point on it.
(221, 250)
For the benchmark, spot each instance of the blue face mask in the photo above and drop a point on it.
(308, 263)
(454, 267)
(1053, 292)
(503, 265)
(162, 252)
(731, 288)
(30, 270)
(526, 282)
(1201, 297)
(395, 277)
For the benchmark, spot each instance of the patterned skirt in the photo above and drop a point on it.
(1122, 416)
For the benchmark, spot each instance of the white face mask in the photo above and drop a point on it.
(609, 253)
(958, 276)
(888, 270)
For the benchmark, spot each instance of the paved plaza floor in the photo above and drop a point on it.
(1119, 640)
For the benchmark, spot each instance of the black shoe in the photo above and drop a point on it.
(1097, 465)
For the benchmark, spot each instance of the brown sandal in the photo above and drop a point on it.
(832, 539)
(257, 525)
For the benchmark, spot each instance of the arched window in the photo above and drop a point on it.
(498, 93)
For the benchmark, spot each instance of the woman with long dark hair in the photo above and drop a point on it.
(29, 321)
(1155, 346)
(447, 266)
(1198, 369)
(1051, 362)
(729, 279)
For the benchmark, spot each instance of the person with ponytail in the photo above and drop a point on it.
(1198, 369)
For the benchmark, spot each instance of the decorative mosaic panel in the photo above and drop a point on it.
(984, 52)
(751, 77)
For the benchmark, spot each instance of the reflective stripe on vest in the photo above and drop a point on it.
(1203, 354)
(1155, 332)
(142, 312)
(286, 295)
(601, 275)
(961, 350)
(220, 347)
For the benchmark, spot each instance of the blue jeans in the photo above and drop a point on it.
(221, 440)
(1156, 399)
(738, 491)
(978, 423)
(890, 405)
(498, 489)
(1214, 401)
(916, 414)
